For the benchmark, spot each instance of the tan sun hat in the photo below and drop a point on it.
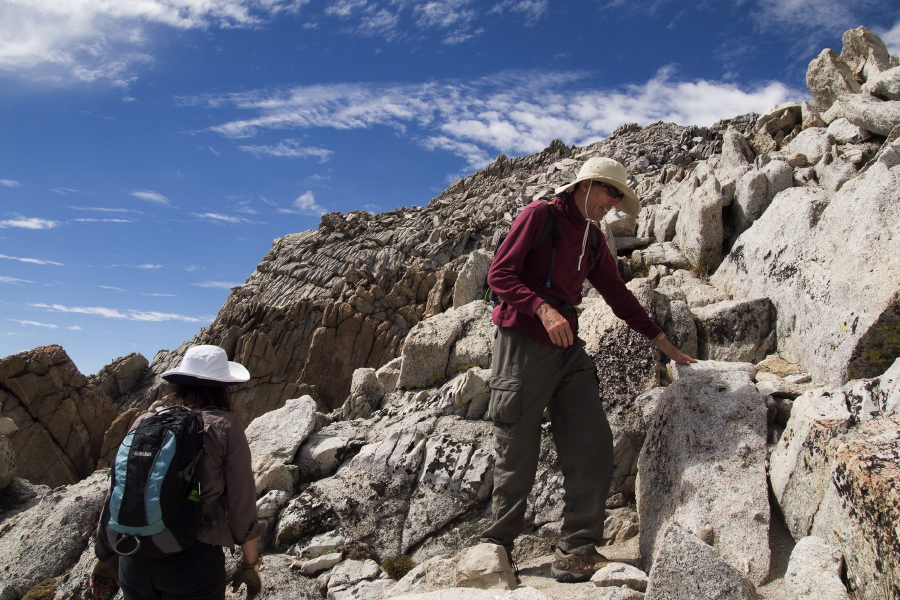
(207, 366)
(612, 172)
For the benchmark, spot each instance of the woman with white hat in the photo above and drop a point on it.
(227, 493)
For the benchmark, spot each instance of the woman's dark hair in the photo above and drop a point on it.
(198, 396)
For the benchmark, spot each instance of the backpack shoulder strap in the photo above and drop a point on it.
(549, 228)
(595, 245)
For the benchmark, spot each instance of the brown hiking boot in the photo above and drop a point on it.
(573, 568)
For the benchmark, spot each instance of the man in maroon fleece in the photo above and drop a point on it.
(539, 362)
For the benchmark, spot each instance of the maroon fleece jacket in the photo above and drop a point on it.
(518, 275)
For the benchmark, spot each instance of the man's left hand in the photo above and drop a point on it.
(674, 353)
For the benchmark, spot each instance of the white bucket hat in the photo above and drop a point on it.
(612, 172)
(207, 366)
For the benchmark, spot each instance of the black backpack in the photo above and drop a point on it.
(551, 231)
(153, 508)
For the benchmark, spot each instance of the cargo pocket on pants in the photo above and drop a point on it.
(506, 399)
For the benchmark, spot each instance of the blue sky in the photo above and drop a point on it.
(151, 150)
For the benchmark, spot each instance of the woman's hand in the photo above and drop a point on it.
(103, 577)
(248, 573)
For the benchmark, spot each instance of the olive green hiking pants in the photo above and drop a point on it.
(529, 377)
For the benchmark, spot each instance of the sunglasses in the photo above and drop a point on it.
(612, 190)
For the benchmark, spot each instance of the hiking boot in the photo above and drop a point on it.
(573, 568)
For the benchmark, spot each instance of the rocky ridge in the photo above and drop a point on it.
(392, 456)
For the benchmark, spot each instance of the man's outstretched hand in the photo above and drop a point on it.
(674, 353)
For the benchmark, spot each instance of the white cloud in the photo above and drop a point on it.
(74, 328)
(109, 287)
(84, 40)
(29, 223)
(159, 295)
(217, 218)
(814, 16)
(34, 324)
(13, 280)
(244, 206)
(512, 113)
(128, 315)
(10, 183)
(891, 37)
(304, 204)
(102, 209)
(151, 196)
(444, 13)
(225, 285)
(103, 221)
(475, 156)
(36, 261)
(289, 149)
(532, 9)
(148, 267)
(344, 8)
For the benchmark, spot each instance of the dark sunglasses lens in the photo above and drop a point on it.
(613, 191)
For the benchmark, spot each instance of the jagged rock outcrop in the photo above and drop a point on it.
(834, 470)
(274, 439)
(814, 264)
(121, 375)
(863, 56)
(61, 418)
(48, 538)
(627, 365)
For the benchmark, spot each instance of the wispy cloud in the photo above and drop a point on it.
(225, 285)
(151, 196)
(159, 295)
(289, 149)
(217, 218)
(455, 16)
(511, 113)
(36, 261)
(148, 267)
(103, 221)
(34, 323)
(304, 204)
(104, 209)
(115, 313)
(533, 10)
(13, 280)
(29, 223)
(113, 288)
(10, 183)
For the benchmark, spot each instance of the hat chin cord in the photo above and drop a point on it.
(587, 224)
